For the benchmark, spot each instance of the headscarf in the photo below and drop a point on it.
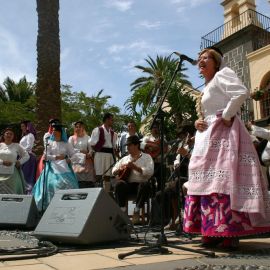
(59, 127)
(29, 128)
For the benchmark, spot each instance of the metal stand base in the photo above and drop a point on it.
(161, 247)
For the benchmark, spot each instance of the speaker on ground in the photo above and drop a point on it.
(83, 216)
(18, 211)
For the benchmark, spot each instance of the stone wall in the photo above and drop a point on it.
(236, 47)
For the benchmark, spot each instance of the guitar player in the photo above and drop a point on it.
(151, 145)
(141, 168)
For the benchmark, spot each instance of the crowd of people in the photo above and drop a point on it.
(216, 163)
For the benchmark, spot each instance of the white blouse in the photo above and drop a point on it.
(27, 142)
(55, 148)
(225, 92)
(82, 143)
(46, 138)
(10, 152)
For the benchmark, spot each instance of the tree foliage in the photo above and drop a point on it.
(78, 106)
(18, 102)
(19, 91)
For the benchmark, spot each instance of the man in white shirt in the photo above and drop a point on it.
(141, 167)
(131, 130)
(103, 141)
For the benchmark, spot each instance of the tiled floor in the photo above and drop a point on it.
(108, 257)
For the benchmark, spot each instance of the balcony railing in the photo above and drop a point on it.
(249, 17)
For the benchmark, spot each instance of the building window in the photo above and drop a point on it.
(265, 102)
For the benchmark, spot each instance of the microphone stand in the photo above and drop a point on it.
(101, 181)
(162, 243)
(45, 161)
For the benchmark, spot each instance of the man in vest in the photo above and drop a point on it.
(103, 141)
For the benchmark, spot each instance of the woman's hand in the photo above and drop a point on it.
(18, 164)
(201, 125)
(249, 125)
(7, 163)
(60, 157)
(227, 123)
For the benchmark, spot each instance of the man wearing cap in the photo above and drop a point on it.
(141, 168)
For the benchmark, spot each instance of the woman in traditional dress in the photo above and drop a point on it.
(46, 138)
(11, 177)
(57, 173)
(84, 167)
(27, 142)
(227, 194)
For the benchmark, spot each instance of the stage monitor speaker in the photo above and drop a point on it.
(83, 216)
(18, 211)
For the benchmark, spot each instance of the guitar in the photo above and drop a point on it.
(125, 172)
(153, 148)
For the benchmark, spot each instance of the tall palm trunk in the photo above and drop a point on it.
(48, 65)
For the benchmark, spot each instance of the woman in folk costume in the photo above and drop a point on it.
(46, 138)
(227, 194)
(11, 177)
(27, 142)
(57, 172)
(84, 167)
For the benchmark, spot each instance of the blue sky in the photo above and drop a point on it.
(102, 40)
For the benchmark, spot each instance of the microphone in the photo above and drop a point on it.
(184, 57)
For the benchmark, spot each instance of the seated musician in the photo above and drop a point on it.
(174, 193)
(133, 172)
(151, 145)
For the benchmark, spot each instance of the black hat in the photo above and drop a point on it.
(134, 139)
(57, 126)
(54, 120)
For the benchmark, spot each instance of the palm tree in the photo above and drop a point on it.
(148, 90)
(48, 65)
(19, 92)
(152, 85)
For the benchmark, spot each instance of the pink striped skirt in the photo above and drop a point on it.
(211, 215)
